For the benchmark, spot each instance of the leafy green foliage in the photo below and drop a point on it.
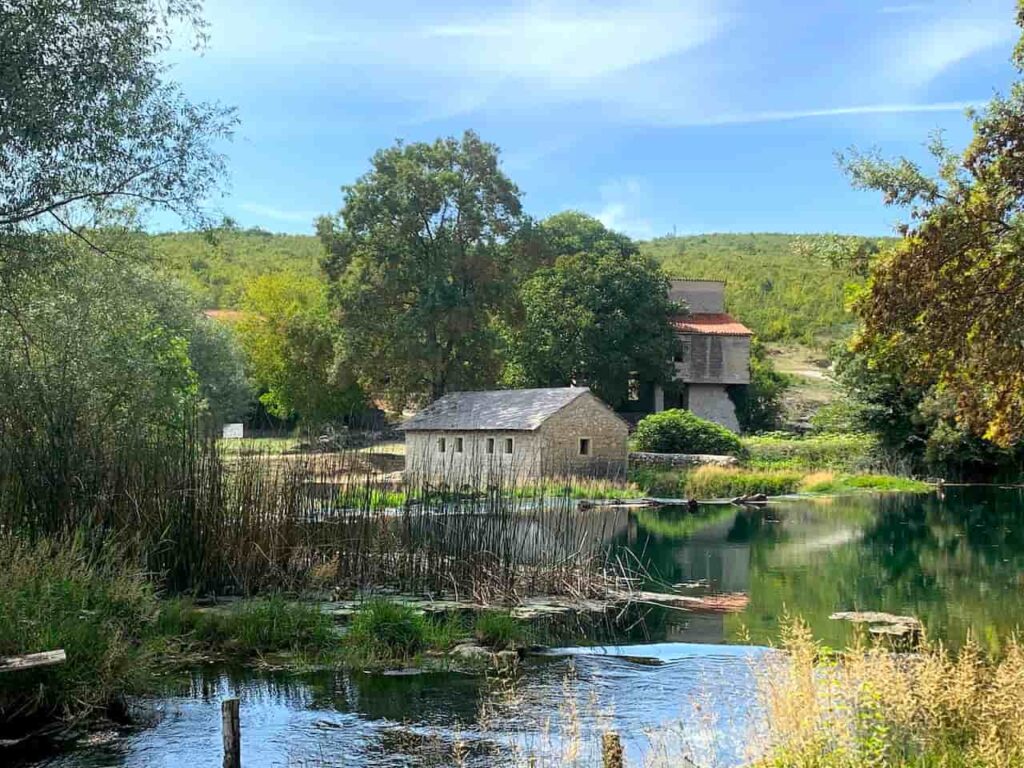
(946, 298)
(288, 337)
(596, 317)
(759, 405)
(217, 359)
(218, 265)
(88, 118)
(422, 258)
(679, 431)
(773, 285)
(845, 452)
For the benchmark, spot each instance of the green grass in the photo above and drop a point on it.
(251, 628)
(384, 632)
(841, 452)
(500, 630)
(369, 497)
(93, 606)
(863, 482)
(730, 482)
(262, 446)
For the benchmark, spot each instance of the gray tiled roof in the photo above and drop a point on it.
(511, 409)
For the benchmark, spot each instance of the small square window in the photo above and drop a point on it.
(490, 445)
(584, 446)
(458, 445)
(441, 445)
(508, 445)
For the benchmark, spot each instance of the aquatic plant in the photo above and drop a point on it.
(386, 631)
(500, 630)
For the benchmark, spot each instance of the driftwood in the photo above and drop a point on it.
(32, 660)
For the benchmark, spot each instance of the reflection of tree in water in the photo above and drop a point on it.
(955, 564)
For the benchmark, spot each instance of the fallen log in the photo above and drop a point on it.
(32, 660)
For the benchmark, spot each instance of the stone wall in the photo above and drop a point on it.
(711, 402)
(585, 418)
(680, 460)
(473, 465)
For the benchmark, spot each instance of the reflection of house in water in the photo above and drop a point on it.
(716, 553)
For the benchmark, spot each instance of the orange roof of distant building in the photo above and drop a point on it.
(716, 324)
(224, 315)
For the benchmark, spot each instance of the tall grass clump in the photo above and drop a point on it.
(500, 630)
(384, 631)
(61, 595)
(870, 707)
(728, 482)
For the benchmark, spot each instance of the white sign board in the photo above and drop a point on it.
(234, 431)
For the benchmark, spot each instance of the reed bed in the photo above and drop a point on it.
(202, 521)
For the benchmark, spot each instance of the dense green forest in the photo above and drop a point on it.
(778, 289)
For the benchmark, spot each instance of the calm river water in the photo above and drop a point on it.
(689, 690)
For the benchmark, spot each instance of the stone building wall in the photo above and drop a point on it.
(586, 418)
(552, 449)
(473, 465)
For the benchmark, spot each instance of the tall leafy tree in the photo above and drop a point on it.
(288, 337)
(422, 259)
(87, 118)
(598, 316)
(948, 298)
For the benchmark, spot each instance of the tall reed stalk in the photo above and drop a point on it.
(201, 521)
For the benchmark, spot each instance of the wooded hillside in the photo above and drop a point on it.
(782, 293)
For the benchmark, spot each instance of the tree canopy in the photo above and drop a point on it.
(596, 317)
(87, 119)
(948, 297)
(422, 258)
(288, 337)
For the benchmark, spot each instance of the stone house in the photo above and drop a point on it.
(712, 356)
(506, 437)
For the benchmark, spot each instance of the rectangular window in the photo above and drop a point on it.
(508, 445)
(490, 445)
(458, 445)
(584, 446)
(441, 445)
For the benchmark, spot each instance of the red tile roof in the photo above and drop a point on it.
(717, 324)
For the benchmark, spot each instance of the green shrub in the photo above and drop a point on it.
(385, 631)
(660, 483)
(500, 630)
(94, 607)
(679, 431)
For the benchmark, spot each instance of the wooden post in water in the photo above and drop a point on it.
(611, 750)
(232, 733)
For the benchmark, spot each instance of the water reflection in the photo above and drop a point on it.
(955, 563)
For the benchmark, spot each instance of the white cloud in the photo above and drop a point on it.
(915, 57)
(771, 116)
(279, 214)
(620, 200)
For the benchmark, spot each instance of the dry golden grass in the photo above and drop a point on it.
(871, 707)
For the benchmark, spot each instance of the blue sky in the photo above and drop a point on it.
(655, 116)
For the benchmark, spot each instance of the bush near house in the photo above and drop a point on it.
(679, 431)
